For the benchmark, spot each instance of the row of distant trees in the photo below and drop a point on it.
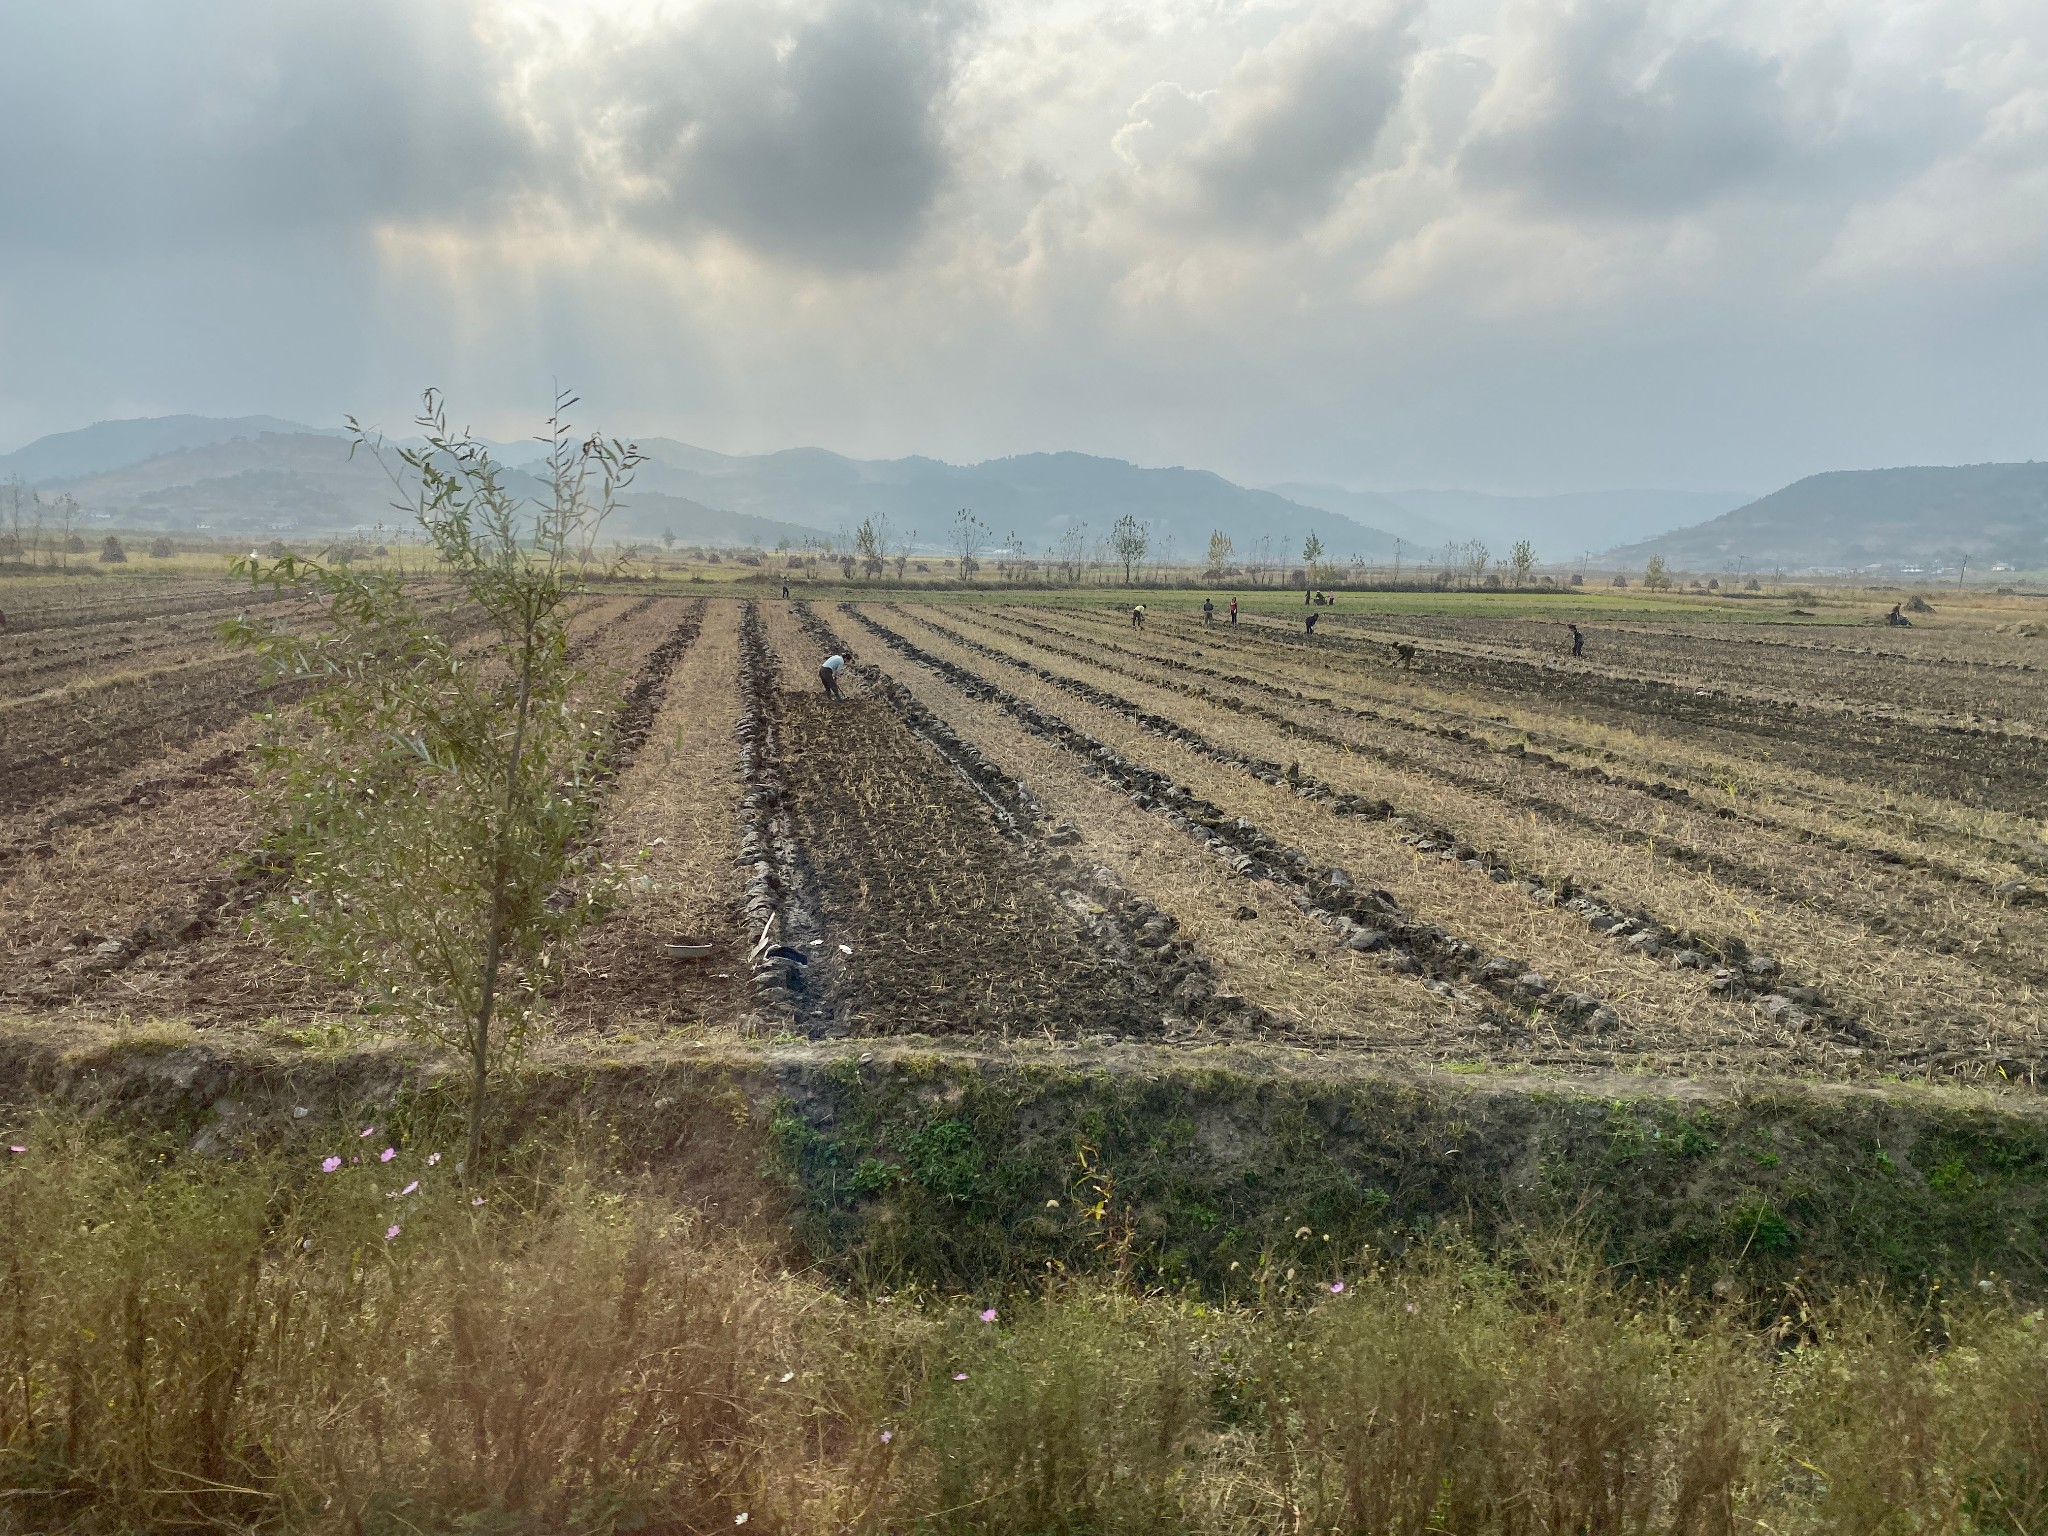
(876, 545)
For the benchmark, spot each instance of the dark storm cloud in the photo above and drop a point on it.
(1610, 136)
(811, 133)
(1299, 116)
(162, 126)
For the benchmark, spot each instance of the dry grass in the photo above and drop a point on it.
(252, 1346)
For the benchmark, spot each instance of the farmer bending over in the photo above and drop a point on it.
(1138, 616)
(828, 674)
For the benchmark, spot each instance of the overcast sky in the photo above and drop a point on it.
(1538, 245)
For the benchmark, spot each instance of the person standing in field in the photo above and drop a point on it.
(1309, 625)
(1208, 611)
(828, 674)
(1233, 610)
(785, 586)
(1578, 640)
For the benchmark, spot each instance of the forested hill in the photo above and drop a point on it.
(1037, 496)
(1852, 518)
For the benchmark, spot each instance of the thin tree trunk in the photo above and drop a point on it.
(480, 1039)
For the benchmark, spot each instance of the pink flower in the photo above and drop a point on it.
(392, 1231)
(329, 1164)
(16, 1147)
(1409, 1308)
(433, 1158)
(1336, 1287)
(740, 1518)
(387, 1154)
(479, 1200)
(888, 1435)
(959, 1375)
(400, 1194)
(368, 1130)
(988, 1315)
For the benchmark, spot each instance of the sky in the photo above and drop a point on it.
(1536, 245)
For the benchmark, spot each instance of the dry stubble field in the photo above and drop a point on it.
(1707, 849)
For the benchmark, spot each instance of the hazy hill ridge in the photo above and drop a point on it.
(1852, 518)
(1561, 527)
(258, 473)
(112, 445)
(1037, 496)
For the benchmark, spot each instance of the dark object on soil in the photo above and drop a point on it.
(1309, 624)
(1578, 640)
(1404, 653)
(687, 951)
(1802, 613)
(1245, 914)
(1919, 604)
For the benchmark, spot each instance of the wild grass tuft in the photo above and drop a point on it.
(188, 1343)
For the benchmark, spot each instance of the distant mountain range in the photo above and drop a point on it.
(1037, 496)
(1852, 519)
(260, 474)
(1561, 527)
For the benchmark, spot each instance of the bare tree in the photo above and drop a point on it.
(970, 538)
(1073, 550)
(868, 543)
(1262, 559)
(1130, 539)
(1477, 558)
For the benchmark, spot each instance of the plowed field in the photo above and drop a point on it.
(1704, 848)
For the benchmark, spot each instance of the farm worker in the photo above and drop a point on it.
(1897, 619)
(1404, 652)
(828, 674)
(1310, 626)
(1138, 616)
(1578, 640)
(785, 586)
(1233, 610)
(1208, 611)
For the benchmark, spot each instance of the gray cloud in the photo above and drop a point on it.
(1331, 251)
(811, 134)
(200, 124)
(814, 132)
(1302, 113)
(1609, 133)
(1278, 142)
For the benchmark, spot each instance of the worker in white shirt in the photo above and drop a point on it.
(828, 674)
